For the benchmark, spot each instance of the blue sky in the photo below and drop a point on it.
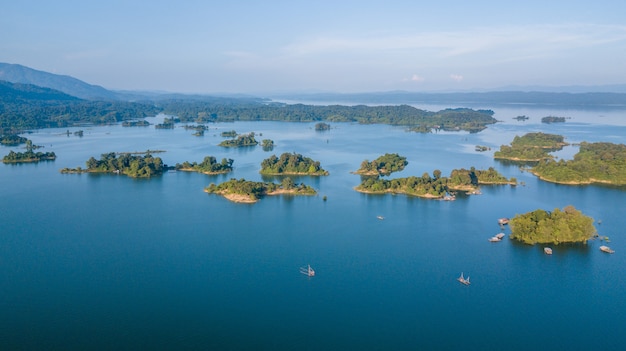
(341, 46)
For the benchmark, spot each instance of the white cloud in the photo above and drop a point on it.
(456, 77)
(414, 78)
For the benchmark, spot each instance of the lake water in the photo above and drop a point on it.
(110, 262)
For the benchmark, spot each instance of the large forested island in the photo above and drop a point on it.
(556, 227)
(208, 166)
(383, 165)
(594, 163)
(246, 191)
(241, 140)
(291, 164)
(531, 147)
(435, 186)
(135, 166)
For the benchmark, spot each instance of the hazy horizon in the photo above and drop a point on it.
(349, 47)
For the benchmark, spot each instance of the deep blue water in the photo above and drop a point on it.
(110, 262)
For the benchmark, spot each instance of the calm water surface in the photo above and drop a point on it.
(110, 262)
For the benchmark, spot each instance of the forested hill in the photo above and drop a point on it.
(13, 92)
(21, 74)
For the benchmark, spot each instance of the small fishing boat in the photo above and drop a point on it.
(308, 271)
(463, 280)
(500, 235)
(503, 221)
(547, 251)
(380, 217)
(606, 249)
(494, 239)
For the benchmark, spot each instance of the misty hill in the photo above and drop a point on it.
(20, 74)
(12, 92)
(468, 98)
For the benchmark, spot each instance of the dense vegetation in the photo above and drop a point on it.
(383, 165)
(531, 147)
(594, 163)
(168, 123)
(29, 155)
(141, 123)
(209, 166)
(267, 144)
(252, 191)
(542, 227)
(552, 119)
(321, 126)
(136, 166)
(229, 134)
(241, 140)
(434, 186)
(214, 111)
(12, 140)
(291, 163)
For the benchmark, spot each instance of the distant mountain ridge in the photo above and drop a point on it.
(12, 92)
(15, 73)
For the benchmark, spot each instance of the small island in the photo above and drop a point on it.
(291, 164)
(435, 186)
(322, 126)
(168, 123)
(141, 123)
(383, 165)
(208, 166)
(245, 191)
(29, 155)
(559, 226)
(241, 141)
(594, 163)
(135, 166)
(552, 119)
(12, 140)
(267, 144)
(531, 147)
(521, 118)
(228, 134)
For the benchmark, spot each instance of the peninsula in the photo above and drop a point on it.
(594, 163)
(559, 226)
(245, 191)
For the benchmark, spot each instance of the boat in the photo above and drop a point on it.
(308, 271)
(547, 251)
(380, 217)
(500, 235)
(606, 249)
(463, 280)
(503, 221)
(494, 239)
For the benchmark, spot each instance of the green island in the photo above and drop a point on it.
(168, 123)
(29, 155)
(128, 164)
(435, 186)
(594, 163)
(208, 166)
(267, 144)
(12, 140)
(552, 119)
(291, 164)
(321, 126)
(241, 141)
(246, 191)
(559, 226)
(383, 165)
(141, 123)
(229, 134)
(531, 147)
(521, 118)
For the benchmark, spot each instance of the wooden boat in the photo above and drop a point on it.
(462, 280)
(308, 271)
(547, 251)
(503, 221)
(606, 249)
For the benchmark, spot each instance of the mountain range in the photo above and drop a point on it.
(614, 95)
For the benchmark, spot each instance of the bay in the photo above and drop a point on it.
(109, 262)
